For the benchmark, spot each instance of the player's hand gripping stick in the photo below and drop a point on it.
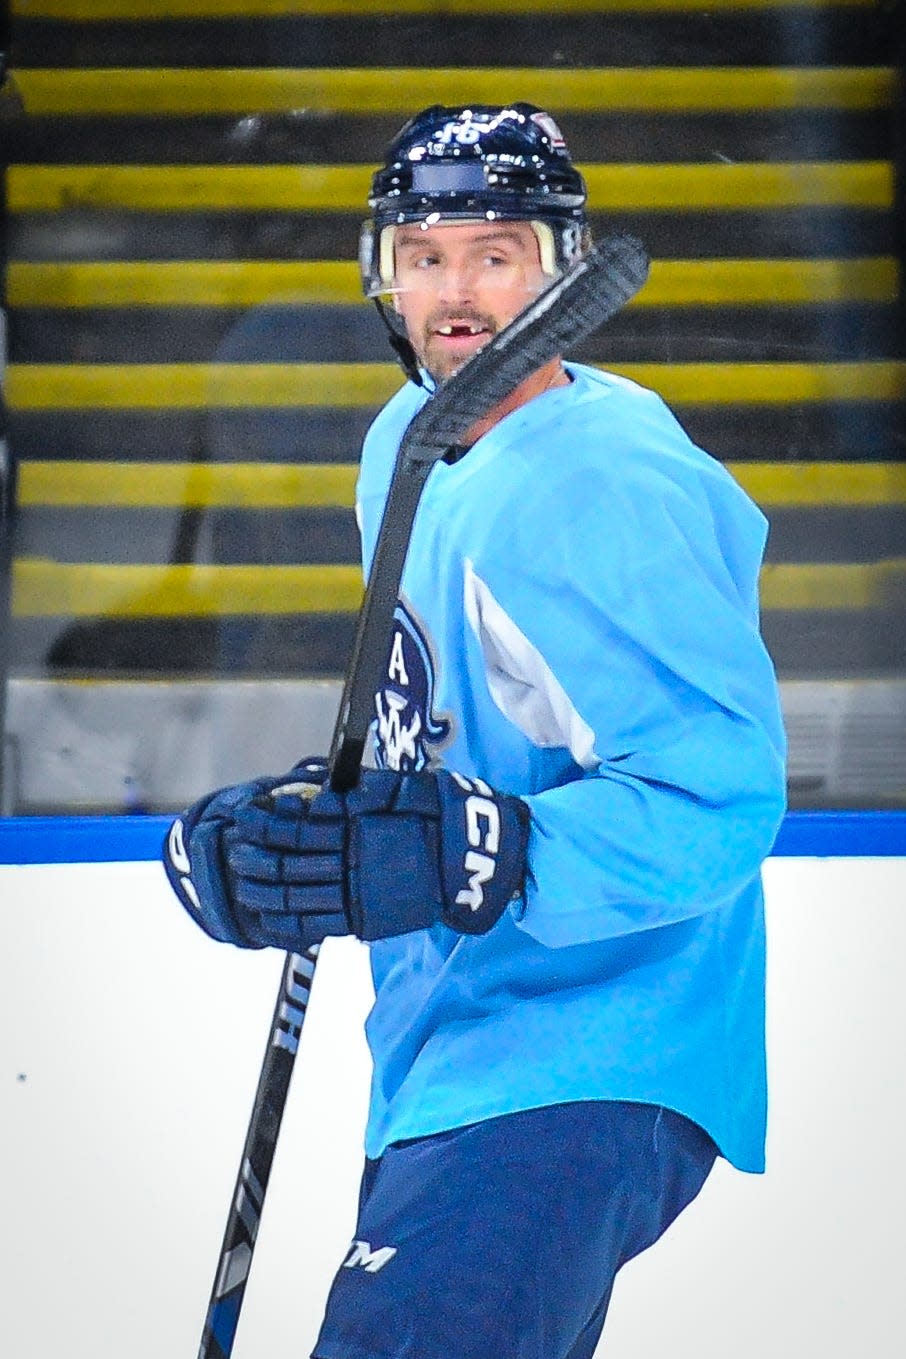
(286, 865)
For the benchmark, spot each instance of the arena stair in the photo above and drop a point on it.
(191, 369)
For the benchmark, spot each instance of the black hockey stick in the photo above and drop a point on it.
(565, 313)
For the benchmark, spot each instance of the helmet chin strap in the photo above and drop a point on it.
(402, 345)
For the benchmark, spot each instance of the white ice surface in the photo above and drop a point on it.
(129, 1051)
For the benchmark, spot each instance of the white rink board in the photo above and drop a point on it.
(129, 1051)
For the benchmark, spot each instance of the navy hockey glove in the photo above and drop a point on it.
(400, 852)
(194, 858)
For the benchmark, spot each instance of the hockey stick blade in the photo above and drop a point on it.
(567, 312)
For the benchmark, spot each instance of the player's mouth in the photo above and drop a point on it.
(455, 335)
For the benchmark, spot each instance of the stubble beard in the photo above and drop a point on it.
(431, 352)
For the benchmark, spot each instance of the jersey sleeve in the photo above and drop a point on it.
(642, 599)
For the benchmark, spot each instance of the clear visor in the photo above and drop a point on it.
(391, 269)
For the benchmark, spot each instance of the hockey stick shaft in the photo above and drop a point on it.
(237, 1249)
(561, 316)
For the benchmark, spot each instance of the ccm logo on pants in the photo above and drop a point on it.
(361, 1256)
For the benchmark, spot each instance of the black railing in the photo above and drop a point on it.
(7, 462)
(899, 164)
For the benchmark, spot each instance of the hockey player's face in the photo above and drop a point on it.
(458, 285)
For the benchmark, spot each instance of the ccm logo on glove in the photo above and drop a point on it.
(180, 860)
(480, 866)
(273, 865)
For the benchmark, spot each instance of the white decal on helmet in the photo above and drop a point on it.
(550, 129)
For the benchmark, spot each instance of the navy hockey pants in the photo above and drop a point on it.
(501, 1239)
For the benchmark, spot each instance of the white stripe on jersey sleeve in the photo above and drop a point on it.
(521, 682)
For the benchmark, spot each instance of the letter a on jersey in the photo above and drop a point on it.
(396, 670)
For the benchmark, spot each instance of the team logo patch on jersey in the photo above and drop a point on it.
(406, 725)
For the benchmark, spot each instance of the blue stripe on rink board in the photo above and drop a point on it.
(840, 834)
(81, 839)
(123, 839)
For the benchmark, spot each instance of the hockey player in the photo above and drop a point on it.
(580, 772)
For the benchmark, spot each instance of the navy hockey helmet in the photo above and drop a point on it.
(476, 162)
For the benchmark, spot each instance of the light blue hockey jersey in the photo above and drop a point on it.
(578, 625)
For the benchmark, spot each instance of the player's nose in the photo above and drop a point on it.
(457, 283)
